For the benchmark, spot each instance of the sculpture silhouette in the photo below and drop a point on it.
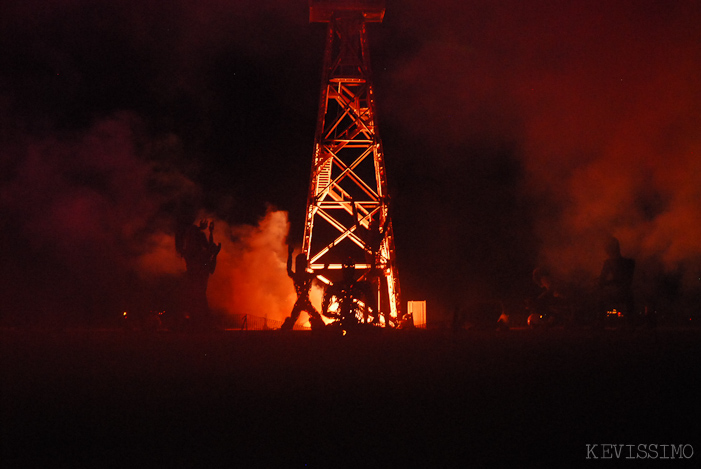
(303, 283)
(200, 254)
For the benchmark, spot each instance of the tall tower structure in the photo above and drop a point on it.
(348, 219)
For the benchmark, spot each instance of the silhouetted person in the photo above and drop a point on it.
(200, 254)
(346, 291)
(303, 283)
(616, 281)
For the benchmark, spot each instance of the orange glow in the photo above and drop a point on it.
(251, 275)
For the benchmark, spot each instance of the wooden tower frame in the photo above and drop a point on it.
(348, 219)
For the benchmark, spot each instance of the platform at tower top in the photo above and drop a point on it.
(321, 11)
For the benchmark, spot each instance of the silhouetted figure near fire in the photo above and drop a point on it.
(200, 254)
(615, 282)
(347, 293)
(303, 283)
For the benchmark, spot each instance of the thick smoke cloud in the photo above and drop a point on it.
(252, 275)
(86, 214)
(602, 100)
(103, 208)
(88, 193)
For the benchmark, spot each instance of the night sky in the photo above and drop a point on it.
(516, 135)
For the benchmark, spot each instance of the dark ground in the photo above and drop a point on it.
(425, 398)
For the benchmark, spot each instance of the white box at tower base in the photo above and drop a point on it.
(417, 309)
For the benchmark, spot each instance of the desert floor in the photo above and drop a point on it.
(112, 398)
